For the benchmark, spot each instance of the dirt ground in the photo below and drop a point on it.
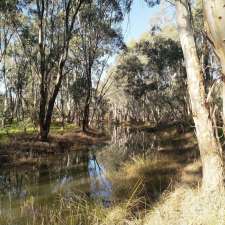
(20, 147)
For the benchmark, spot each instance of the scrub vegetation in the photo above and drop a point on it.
(98, 131)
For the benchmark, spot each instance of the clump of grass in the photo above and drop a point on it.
(73, 210)
(181, 206)
(188, 206)
(157, 172)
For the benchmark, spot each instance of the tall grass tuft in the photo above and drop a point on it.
(187, 206)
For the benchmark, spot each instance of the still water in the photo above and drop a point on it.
(73, 172)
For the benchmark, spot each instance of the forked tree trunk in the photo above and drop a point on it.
(212, 164)
(45, 115)
(214, 12)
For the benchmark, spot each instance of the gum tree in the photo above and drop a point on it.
(55, 26)
(212, 163)
(209, 147)
(214, 12)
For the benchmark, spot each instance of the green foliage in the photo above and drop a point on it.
(150, 72)
(79, 90)
(138, 67)
(161, 53)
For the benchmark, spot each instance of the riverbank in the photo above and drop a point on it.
(19, 147)
(154, 187)
(179, 204)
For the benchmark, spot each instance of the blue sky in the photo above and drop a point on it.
(136, 23)
(138, 20)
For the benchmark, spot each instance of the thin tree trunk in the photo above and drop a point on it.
(212, 164)
(86, 114)
(42, 113)
(86, 111)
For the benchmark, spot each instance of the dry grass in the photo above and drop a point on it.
(156, 174)
(182, 205)
(186, 206)
(73, 211)
(140, 184)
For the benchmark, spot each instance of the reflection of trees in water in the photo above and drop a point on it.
(52, 175)
(7, 178)
(100, 187)
(135, 141)
(77, 169)
(125, 143)
(49, 175)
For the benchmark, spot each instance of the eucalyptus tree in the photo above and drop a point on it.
(8, 12)
(54, 24)
(214, 12)
(129, 86)
(98, 37)
(21, 76)
(146, 75)
(209, 146)
(78, 90)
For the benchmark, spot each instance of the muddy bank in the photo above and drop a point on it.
(27, 148)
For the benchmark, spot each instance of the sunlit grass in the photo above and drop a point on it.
(176, 205)
(157, 172)
(17, 127)
(73, 210)
(188, 206)
(27, 127)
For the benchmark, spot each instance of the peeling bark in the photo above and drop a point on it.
(214, 12)
(212, 163)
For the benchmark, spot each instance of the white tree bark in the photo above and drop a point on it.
(214, 12)
(212, 164)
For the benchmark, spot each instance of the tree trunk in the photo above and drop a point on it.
(42, 112)
(45, 116)
(85, 123)
(86, 112)
(212, 164)
(214, 12)
(43, 131)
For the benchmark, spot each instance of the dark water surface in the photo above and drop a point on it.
(73, 172)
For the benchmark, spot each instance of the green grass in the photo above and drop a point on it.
(57, 127)
(27, 127)
(17, 127)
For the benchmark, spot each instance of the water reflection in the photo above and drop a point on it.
(134, 141)
(100, 185)
(125, 143)
(83, 171)
(74, 172)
